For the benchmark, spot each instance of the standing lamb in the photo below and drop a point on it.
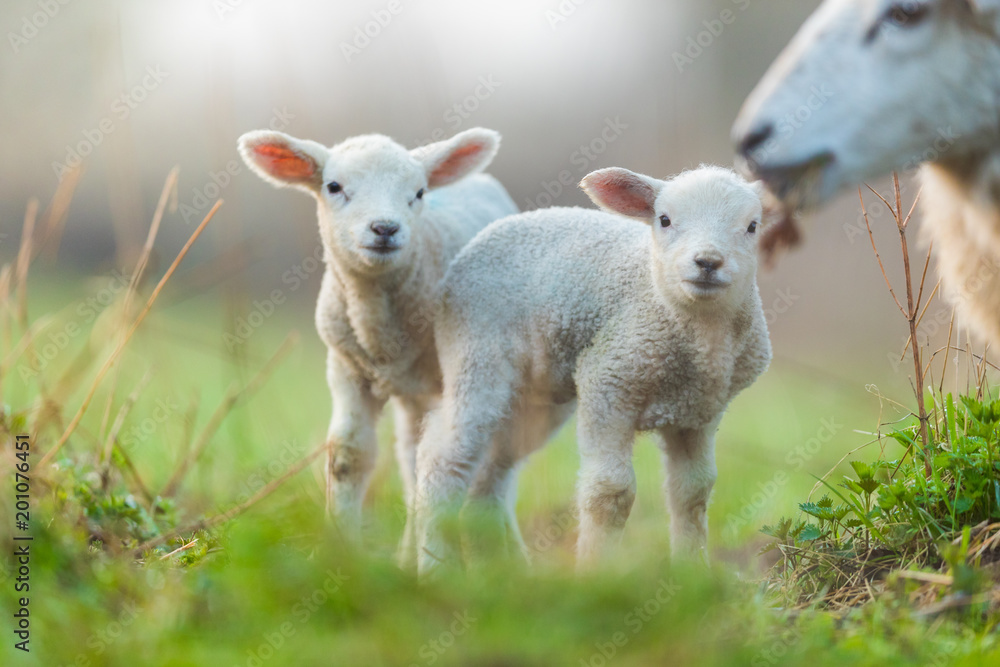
(651, 326)
(390, 221)
(868, 86)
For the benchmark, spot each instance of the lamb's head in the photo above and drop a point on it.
(705, 225)
(869, 86)
(370, 191)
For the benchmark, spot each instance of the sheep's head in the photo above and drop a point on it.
(705, 228)
(370, 190)
(869, 86)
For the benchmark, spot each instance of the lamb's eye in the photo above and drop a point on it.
(664, 221)
(333, 187)
(908, 14)
(420, 193)
(752, 229)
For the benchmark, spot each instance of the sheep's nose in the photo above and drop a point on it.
(384, 229)
(755, 139)
(708, 263)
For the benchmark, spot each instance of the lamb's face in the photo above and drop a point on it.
(370, 190)
(869, 86)
(705, 225)
(371, 199)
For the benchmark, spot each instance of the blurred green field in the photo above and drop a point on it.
(276, 586)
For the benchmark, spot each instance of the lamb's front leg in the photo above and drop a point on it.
(409, 413)
(691, 473)
(352, 445)
(606, 489)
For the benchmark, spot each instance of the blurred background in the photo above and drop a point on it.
(128, 90)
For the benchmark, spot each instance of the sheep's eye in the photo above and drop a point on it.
(420, 193)
(333, 187)
(752, 229)
(664, 221)
(908, 14)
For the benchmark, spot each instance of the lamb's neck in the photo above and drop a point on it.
(386, 300)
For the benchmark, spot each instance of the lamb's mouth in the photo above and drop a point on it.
(706, 286)
(383, 250)
(794, 183)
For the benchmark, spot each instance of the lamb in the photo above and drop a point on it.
(651, 324)
(869, 86)
(390, 221)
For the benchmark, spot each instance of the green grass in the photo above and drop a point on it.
(276, 586)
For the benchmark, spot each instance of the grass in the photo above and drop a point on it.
(128, 567)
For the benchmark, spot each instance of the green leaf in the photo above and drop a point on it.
(862, 469)
(810, 533)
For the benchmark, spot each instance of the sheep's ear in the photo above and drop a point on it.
(452, 159)
(283, 160)
(624, 192)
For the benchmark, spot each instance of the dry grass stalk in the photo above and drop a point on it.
(223, 517)
(912, 312)
(128, 336)
(116, 427)
(169, 186)
(233, 396)
(24, 261)
(55, 215)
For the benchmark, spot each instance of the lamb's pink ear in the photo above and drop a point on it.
(453, 159)
(623, 192)
(283, 160)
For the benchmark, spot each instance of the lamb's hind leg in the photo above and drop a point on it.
(691, 473)
(495, 490)
(457, 438)
(409, 414)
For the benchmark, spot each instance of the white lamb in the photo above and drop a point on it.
(868, 86)
(390, 221)
(651, 326)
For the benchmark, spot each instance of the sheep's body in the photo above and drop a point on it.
(941, 108)
(386, 248)
(554, 307)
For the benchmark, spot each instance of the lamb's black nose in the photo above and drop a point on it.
(755, 139)
(708, 264)
(384, 229)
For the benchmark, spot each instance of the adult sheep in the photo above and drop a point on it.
(390, 221)
(869, 86)
(651, 324)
